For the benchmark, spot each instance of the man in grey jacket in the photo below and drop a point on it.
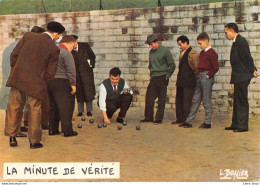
(61, 90)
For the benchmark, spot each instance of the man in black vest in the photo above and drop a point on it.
(243, 69)
(186, 79)
(114, 93)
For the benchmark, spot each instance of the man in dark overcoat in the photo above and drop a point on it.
(33, 65)
(85, 60)
(243, 69)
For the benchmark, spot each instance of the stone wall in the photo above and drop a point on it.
(117, 37)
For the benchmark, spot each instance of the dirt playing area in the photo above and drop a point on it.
(163, 152)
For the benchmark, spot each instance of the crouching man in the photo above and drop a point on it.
(114, 93)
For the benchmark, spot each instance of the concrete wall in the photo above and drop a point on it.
(117, 38)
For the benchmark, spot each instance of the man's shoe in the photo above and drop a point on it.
(119, 120)
(146, 120)
(23, 129)
(230, 128)
(52, 133)
(187, 125)
(184, 124)
(72, 133)
(36, 145)
(240, 130)
(176, 122)
(89, 114)
(204, 125)
(13, 142)
(79, 114)
(157, 122)
(45, 127)
(20, 134)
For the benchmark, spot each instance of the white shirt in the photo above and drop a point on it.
(207, 48)
(49, 34)
(234, 40)
(103, 95)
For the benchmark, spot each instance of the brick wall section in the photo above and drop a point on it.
(117, 38)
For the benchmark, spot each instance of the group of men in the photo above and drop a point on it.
(40, 69)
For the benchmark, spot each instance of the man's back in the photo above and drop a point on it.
(34, 61)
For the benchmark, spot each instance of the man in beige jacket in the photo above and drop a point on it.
(186, 79)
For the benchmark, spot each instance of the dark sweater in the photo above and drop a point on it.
(208, 61)
(161, 62)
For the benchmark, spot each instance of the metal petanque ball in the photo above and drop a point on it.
(83, 119)
(124, 123)
(91, 121)
(138, 127)
(99, 125)
(79, 125)
(104, 125)
(119, 127)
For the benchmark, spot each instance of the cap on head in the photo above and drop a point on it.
(55, 27)
(37, 29)
(151, 38)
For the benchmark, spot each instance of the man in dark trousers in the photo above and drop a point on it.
(33, 64)
(161, 66)
(186, 79)
(85, 63)
(243, 69)
(114, 93)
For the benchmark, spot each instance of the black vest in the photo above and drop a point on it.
(110, 91)
(186, 76)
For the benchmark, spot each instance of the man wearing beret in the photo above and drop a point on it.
(161, 66)
(33, 65)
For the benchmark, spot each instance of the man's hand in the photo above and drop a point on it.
(255, 74)
(107, 121)
(208, 76)
(73, 87)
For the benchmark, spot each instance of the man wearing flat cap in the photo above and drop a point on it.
(33, 65)
(161, 66)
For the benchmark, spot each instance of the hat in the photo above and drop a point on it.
(150, 39)
(37, 29)
(55, 27)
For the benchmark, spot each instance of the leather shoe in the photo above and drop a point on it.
(184, 124)
(187, 125)
(23, 129)
(13, 142)
(52, 133)
(146, 120)
(20, 134)
(45, 127)
(157, 122)
(119, 120)
(204, 125)
(72, 133)
(89, 114)
(176, 122)
(230, 128)
(36, 145)
(240, 130)
(79, 114)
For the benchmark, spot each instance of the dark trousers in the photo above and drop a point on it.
(62, 104)
(240, 105)
(183, 102)
(157, 88)
(122, 102)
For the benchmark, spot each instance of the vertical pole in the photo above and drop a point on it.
(159, 3)
(100, 5)
(70, 5)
